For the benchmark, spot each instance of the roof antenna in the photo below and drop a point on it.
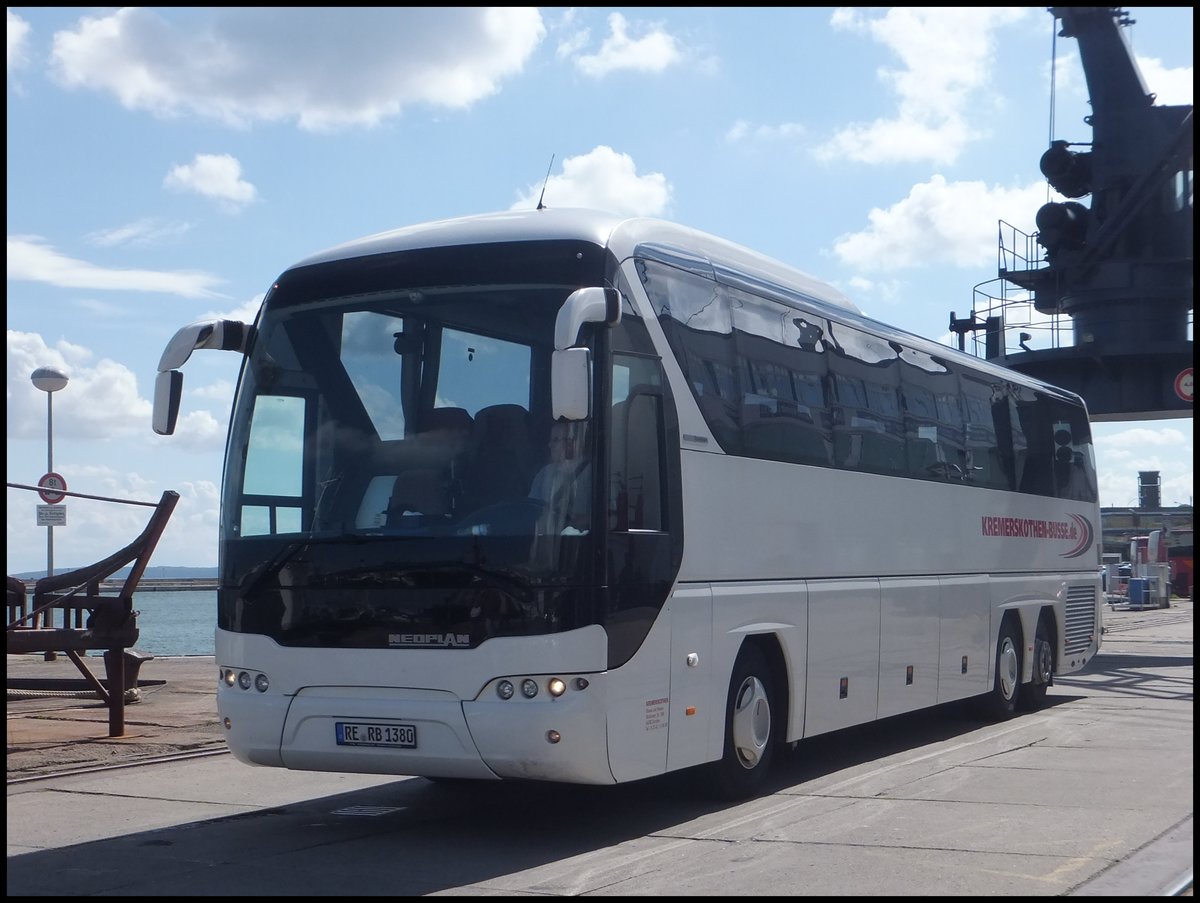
(540, 205)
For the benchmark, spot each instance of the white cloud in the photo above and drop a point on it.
(325, 68)
(946, 59)
(742, 131)
(98, 527)
(939, 223)
(604, 180)
(31, 260)
(221, 390)
(145, 232)
(572, 44)
(217, 176)
(244, 313)
(101, 400)
(1171, 86)
(654, 51)
(18, 41)
(1122, 452)
(1143, 439)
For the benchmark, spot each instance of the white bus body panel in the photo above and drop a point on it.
(463, 728)
(696, 716)
(911, 527)
(910, 612)
(743, 609)
(920, 613)
(843, 645)
(1016, 591)
(444, 741)
(967, 651)
(639, 697)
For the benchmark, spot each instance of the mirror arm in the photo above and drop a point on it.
(222, 335)
(585, 305)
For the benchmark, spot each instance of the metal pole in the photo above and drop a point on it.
(49, 469)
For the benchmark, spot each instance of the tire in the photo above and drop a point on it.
(1000, 703)
(750, 728)
(1033, 694)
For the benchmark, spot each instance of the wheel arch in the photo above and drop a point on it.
(772, 649)
(1029, 615)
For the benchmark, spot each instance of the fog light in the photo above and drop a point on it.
(557, 687)
(261, 683)
(529, 687)
(228, 724)
(244, 680)
(553, 736)
(504, 689)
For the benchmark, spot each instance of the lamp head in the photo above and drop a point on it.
(49, 379)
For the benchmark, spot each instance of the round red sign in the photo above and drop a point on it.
(52, 488)
(1183, 385)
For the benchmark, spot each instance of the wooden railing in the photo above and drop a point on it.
(71, 614)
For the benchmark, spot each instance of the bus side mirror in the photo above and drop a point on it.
(222, 335)
(570, 366)
(168, 389)
(571, 384)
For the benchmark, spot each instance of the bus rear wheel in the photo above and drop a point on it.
(750, 728)
(1033, 694)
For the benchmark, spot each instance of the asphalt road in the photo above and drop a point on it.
(1091, 796)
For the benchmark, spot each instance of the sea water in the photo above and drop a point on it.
(176, 622)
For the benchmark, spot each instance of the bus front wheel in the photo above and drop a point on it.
(1001, 702)
(750, 728)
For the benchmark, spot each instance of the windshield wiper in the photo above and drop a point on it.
(254, 578)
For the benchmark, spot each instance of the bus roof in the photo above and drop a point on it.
(627, 236)
(621, 235)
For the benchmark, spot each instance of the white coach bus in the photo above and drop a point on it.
(563, 496)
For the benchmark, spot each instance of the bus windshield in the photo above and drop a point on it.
(394, 475)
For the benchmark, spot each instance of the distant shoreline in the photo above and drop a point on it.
(151, 585)
(168, 584)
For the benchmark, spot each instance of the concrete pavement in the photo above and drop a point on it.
(1091, 797)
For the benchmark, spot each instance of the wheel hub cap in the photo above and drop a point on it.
(751, 722)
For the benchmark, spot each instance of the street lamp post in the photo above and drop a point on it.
(49, 380)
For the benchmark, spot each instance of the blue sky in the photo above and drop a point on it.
(166, 164)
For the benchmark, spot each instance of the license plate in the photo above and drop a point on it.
(359, 733)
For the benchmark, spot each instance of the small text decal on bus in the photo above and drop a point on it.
(440, 640)
(1081, 532)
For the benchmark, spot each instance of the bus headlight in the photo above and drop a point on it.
(228, 676)
(244, 680)
(556, 686)
(504, 689)
(261, 683)
(529, 688)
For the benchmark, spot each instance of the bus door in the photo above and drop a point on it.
(642, 560)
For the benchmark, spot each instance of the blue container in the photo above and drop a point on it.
(1139, 590)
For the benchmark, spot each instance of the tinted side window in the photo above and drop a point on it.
(784, 414)
(868, 430)
(696, 322)
(933, 433)
(773, 381)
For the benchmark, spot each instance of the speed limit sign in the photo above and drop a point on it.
(52, 488)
